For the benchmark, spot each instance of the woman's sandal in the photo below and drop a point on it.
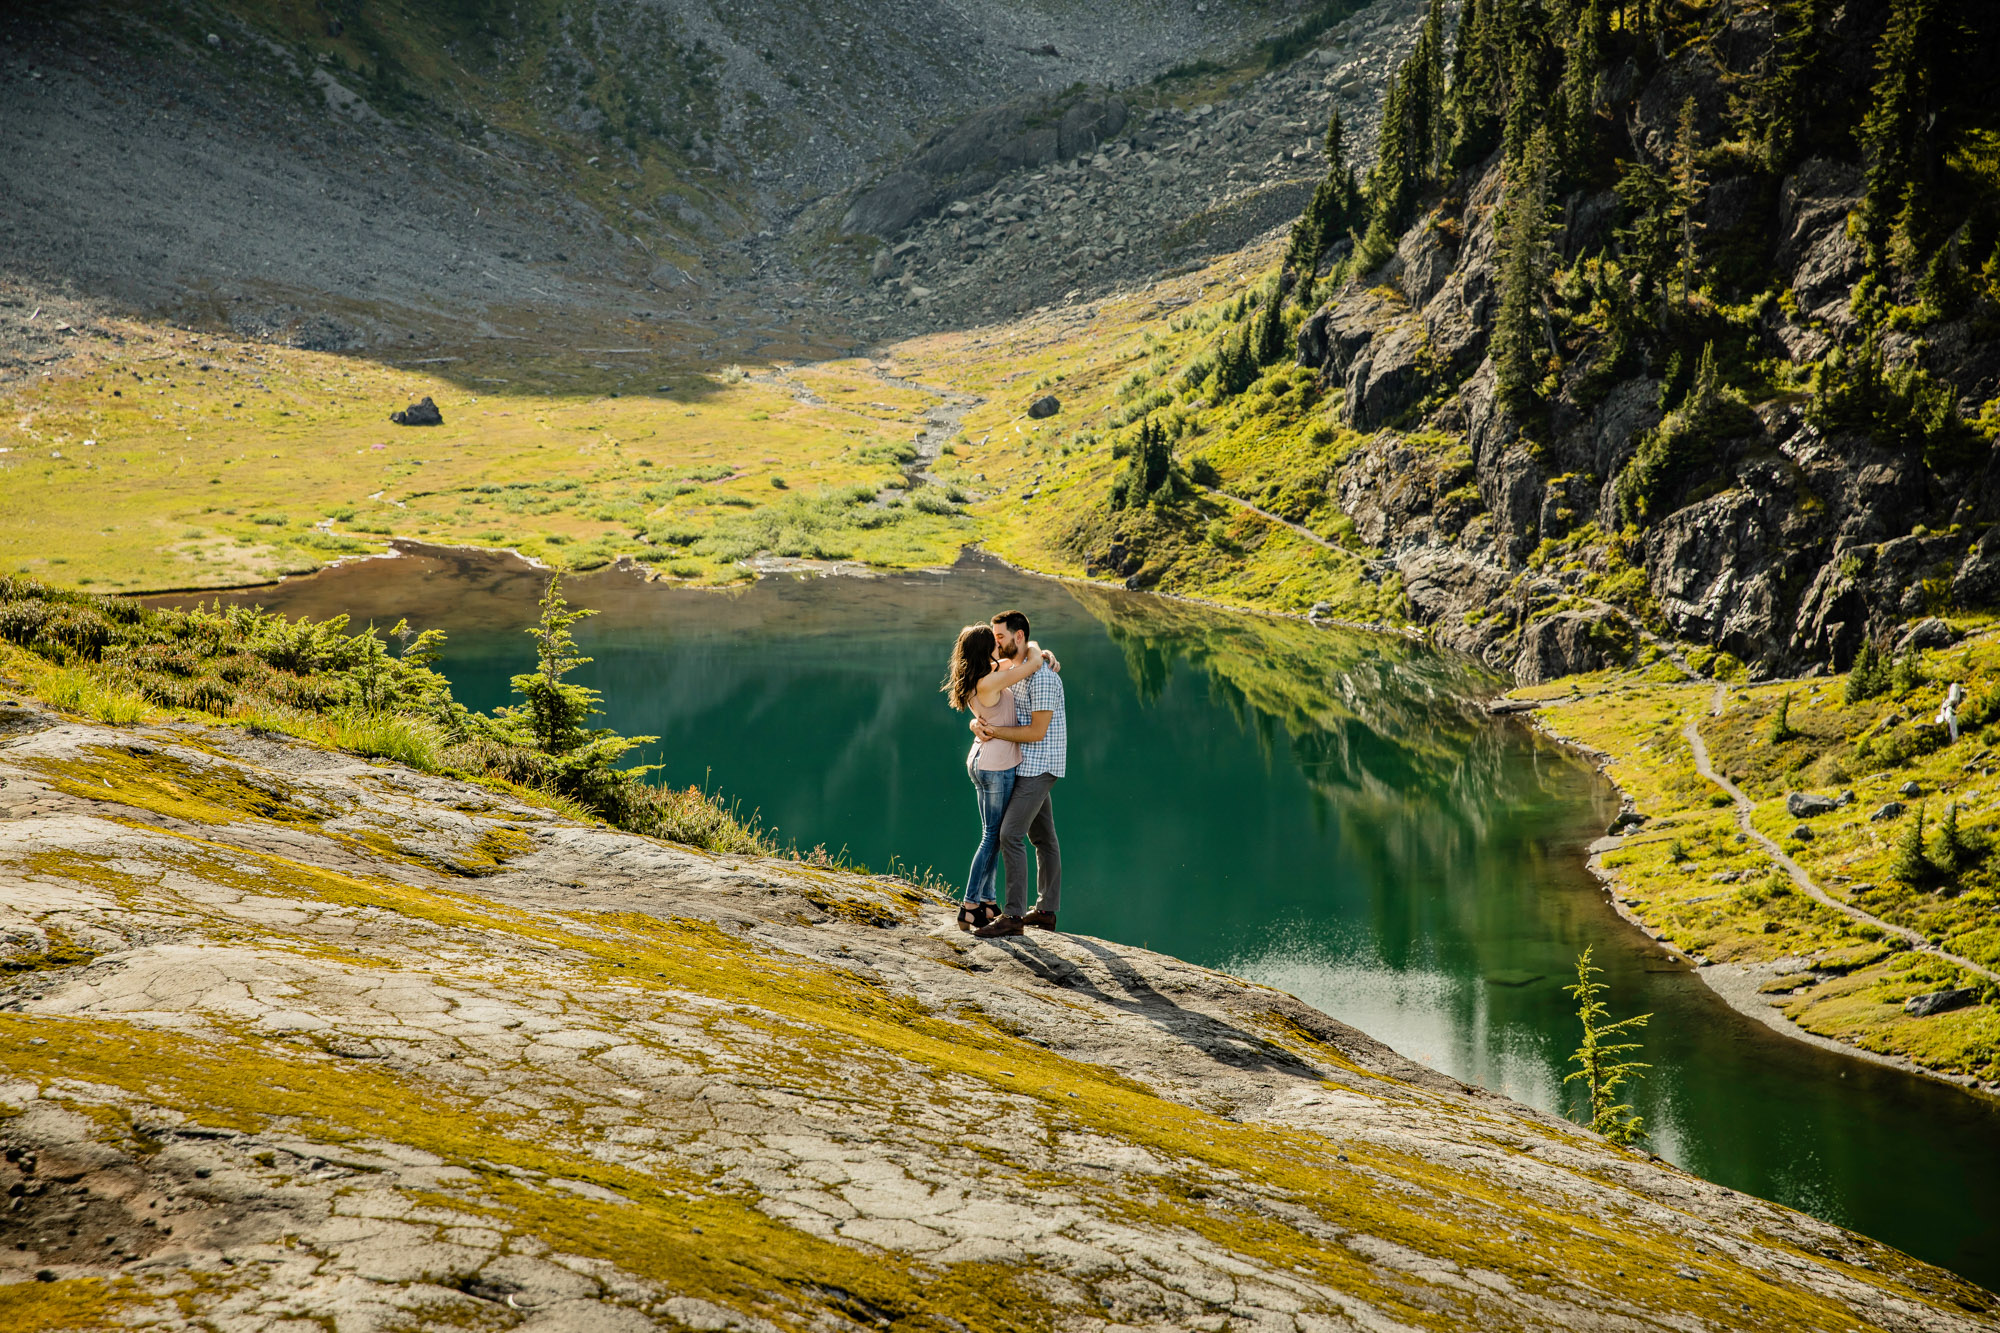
(969, 916)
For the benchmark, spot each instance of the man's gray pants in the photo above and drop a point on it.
(1032, 811)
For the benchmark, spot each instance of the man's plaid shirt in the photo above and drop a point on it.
(1039, 693)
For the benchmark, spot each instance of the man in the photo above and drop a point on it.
(1043, 734)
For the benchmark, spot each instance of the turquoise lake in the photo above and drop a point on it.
(1327, 812)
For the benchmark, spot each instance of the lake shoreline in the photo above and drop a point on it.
(1736, 984)
(402, 546)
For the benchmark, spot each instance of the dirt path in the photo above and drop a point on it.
(941, 422)
(1793, 868)
(1299, 528)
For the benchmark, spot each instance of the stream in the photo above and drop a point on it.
(1327, 812)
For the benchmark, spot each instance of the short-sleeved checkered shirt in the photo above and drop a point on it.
(1042, 693)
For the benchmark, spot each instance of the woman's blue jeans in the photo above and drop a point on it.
(993, 786)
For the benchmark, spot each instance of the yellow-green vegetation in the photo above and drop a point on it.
(544, 1167)
(174, 460)
(1702, 884)
(177, 461)
(110, 660)
(1044, 487)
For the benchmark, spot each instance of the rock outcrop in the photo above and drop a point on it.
(292, 1036)
(1783, 543)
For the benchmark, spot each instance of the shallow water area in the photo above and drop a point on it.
(1323, 811)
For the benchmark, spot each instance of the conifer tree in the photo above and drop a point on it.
(554, 714)
(1576, 99)
(1268, 329)
(1779, 114)
(1429, 112)
(1894, 134)
(1868, 676)
(1524, 266)
(1476, 81)
(1599, 1059)
(1781, 721)
(1689, 185)
(1912, 864)
(1953, 855)
(1524, 111)
(1649, 237)
(1329, 213)
(1393, 184)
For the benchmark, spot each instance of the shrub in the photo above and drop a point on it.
(1869, 675)
(113, 661)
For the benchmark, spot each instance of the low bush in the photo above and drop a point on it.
(114, 661)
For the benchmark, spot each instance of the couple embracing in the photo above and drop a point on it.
(1014, 692)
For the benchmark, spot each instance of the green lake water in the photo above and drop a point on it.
(1326, 812)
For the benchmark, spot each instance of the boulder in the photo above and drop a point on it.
(1941, 1001)
(1910, 788)
(1886, 811)
(1626, 819)
(1928, 633)
(1802, 833)
(900, 199)
(1802, 805)
(1088, 124)
(421, 413)
(1045, 406)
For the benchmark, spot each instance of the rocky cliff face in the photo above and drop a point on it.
(293, 1037)
(1785, 548)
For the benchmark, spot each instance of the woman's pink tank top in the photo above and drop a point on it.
(996, 754)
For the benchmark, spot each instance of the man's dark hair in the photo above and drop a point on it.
(1013, 620)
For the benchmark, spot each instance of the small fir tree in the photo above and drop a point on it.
(1524, 267)
(1907, 674)
(1912, 864)
(1953, 856)
(554, 713)
(1689, 185)
(1895, 131)
(1868, 677)
(1781, 721)
(1601, 1066)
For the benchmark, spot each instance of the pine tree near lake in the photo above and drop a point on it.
(1600, 1059)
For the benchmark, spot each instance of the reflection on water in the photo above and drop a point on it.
(1326, 812)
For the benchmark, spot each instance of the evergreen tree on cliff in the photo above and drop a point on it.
(1524, 267)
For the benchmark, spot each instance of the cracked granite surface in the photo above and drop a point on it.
(290, 1040)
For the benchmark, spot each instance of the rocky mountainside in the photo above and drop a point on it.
(1034, 204)
(350, 176)
(1830, 478)
(295, 1038)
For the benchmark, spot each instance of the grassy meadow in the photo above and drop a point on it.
(1698, 883)
(179, 460)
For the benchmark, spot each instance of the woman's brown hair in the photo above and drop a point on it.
(971, 662)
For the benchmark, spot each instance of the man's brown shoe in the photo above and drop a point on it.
(1003, 925)
(1046, 920)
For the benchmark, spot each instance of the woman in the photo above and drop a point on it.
(974, 680)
